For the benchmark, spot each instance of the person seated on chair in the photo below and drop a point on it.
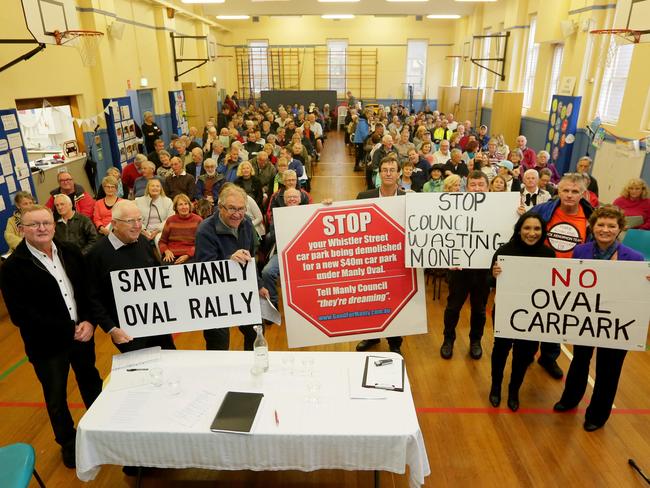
(634, 202)
(178, 236)
(82, 202)
(13, 236)
(73, 227)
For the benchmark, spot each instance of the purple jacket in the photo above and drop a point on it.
(586, 251)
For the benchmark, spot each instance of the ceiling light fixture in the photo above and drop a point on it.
(475, 1)
(233, 17)
(443, 16)
(337, 16)
(338, 1)
(404, 1)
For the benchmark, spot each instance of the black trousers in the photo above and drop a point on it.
(359, 153)
(609, 363)
(52, 372)
(165, 341)
(219, 339)
(472, 282)
(523, 354)
(549, 352)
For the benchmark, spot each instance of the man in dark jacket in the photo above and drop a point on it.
(389, 174)
(56, 327)
(228, 234)
(72, 226)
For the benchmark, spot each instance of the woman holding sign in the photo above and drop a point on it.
(606, 224)
(527, 240)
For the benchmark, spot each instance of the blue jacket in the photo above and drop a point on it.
(546, 209)
(361, 134)
(216, 241)
(586, 251)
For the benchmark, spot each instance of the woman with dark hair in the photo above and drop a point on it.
(606, 223)
(527, 240)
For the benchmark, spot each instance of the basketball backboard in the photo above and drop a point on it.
(43, 17)
(635, 15)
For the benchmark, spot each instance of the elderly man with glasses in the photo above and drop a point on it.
(124, 248)
(228, 234)
(56, 327)
(82, 202)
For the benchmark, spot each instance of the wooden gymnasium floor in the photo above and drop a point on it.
(468, 442)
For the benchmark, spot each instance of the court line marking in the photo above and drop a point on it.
(12, 368)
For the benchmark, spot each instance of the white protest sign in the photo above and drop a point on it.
(181, 298)
(573, 301)
(343, 273)
(447, 230)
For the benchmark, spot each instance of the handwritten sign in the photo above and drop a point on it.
(585, 302)
(447, 230)
(181, 298)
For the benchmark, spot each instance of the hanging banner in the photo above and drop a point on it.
(343, 274)
(561, 130)
(574, 301)
(457, 230)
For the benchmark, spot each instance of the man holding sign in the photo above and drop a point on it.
(228, 234)
(124, 248)
(566, 227)
(464, 282)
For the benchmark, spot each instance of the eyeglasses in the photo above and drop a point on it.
(36, 225)
(65, 180)
(388, 170)
(131, 222)
(234, 210)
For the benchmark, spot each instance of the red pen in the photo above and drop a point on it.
(277, 419)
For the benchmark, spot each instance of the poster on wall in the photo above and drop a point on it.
(14, 170)
(121, 130)
(343, 273)
(178, 109)
(561, 130)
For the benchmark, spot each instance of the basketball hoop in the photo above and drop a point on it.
(85, 41)
(613, 39)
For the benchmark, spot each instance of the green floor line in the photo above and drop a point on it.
(12, 368)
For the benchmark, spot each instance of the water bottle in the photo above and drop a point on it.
(260, 352)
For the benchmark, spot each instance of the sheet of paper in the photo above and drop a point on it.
(128, 411)
(18, 156)
(124, 380)
(135, 358)
(24, 185)
(190, 413)
(269, 312)
(358, 392)
(11, 184)
(5, 164)
(2, 180)
(22, 170)
(4, 145)
(14, 140)
(9, 122)
(387, 375)
(3, 207)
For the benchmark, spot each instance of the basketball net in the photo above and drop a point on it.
(612, 39)
(86, 42)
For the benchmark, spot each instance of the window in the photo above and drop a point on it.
(455, 71)
(612, 87)
(337, 60)
(258, 65)
(416, 67)
(485, 53)
(532, 51)
(554, 81)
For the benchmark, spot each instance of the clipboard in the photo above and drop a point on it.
(237, 412)
(385, 377)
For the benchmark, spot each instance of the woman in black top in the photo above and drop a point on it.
(150, 131)
(527, 240)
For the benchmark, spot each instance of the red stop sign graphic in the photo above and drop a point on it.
(344, 271)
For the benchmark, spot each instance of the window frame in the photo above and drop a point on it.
(258, 71)
(554, 75)
(532, 56)
(614, 81)
(419, 87)
(340, 90)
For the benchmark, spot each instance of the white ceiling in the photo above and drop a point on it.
(313, 7)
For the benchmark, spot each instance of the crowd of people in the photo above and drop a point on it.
(210, 195)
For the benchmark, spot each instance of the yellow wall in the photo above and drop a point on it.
(389, 35)
(634, 121)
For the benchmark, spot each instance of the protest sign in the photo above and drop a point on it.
(180, 298)
(450, 230)
(587, 302)
(343, 274)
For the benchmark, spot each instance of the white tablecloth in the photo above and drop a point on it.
(148, 426)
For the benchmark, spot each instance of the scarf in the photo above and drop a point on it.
(607, 253)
